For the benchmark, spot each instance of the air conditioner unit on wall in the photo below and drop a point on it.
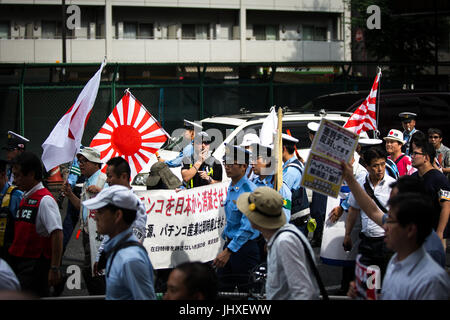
(37, 30)
(15, 30)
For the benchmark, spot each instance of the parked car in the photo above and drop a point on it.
(432, 108)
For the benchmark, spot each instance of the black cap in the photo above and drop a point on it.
(15, 141)
(236, 154)
(407, 116)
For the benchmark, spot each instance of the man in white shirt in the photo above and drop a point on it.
(36, 250)
(377, 185)
(412, 274)
(290, 274)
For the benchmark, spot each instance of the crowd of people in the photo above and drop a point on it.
(395, 198)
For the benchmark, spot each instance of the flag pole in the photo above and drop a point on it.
(377, 132)
(279, 151)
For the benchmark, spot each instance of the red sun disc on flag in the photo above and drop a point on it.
(130, 132)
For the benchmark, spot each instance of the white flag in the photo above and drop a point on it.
(269, 128)
(64, 141)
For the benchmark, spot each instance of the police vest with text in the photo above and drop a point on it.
(6, 220)
(30, 244)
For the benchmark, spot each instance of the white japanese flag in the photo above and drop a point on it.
(269, 128)
(64, 141)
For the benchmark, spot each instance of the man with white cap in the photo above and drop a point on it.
(290, 272)
(189, 133)
(129, 272)
(90, 165)
(394, 142)
(409, 126)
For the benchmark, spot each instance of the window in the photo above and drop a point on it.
(195, 31)
(320, 34)
(4, 30)
(53, 30)
(308, 33)
(188, 31)
(265, 32)
(129, 30)
(145, 31)
(314, 33)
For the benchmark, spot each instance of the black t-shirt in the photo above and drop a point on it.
(212, 166)
(437, 186)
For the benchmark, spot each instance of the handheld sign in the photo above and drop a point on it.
(331, 145)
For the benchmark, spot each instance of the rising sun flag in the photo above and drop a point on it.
(130, 132)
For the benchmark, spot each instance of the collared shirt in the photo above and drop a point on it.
(238, 227)
(284, 190)
(14, 202)
(48, 217)
(130, 276)
(443, 156)
(407, 138)
(291, 176)
(187, 151)
(8, 279)
(432, 245)
(417, 277)
(382, 191)
(289, 275)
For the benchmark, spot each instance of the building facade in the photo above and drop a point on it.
(161, 31)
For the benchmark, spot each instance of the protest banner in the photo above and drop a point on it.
(367, 279)
(331, 145)
(184, 226)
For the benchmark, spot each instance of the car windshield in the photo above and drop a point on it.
(225, 129)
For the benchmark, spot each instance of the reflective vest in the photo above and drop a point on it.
(6, 221)
(27, 242)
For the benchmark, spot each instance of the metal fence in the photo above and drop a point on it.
(32, 107)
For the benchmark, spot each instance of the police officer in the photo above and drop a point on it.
(409, 126)
(15, 146)
(292, 176)
(189, 134)
(10, 197)
(200, 168)
(264, 168)
(241, 252)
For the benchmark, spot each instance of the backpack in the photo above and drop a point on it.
(299, 199)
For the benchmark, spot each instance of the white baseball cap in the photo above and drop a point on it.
(249, 139)
(396, 135)
(117, 195)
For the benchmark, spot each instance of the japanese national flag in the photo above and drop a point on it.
(364, 117)
(269, 128)
(64, 141)
(130, 132)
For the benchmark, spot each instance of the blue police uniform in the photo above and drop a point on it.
(284, 191)
(240, 238)
(187, 151)
(407, 139)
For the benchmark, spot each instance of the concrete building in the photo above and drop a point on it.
(160, 31)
